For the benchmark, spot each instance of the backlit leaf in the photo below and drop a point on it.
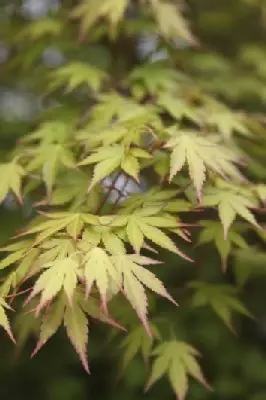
(76, 324)
(177, 360)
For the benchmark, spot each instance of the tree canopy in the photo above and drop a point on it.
(133, 153)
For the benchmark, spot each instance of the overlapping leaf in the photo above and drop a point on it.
(201, 155)
(11, 179)
(71, 223)
(222, 299)
(108, 159)
(144, 223)
(90, 12)
(171, 22)
(136, 342)
(75, 74)
(48, 159)
(131, 276)
(59, 274)
(178, 361)
(42, 27)
(4, 322)
(226, 122)
(213, 232)
(232, 201)
(154, 78)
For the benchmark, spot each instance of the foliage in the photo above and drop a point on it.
(192, 147)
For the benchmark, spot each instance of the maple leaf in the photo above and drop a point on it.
(77, 73)
(260, 190)
(48, 159)
(164, 200)
(112, 243)
(248, 263)
(72, 188)
(22, 254)
(226, 122)
(59, 274)
(72, 223)
(145, 223)
(12, 258)
(98, 268)
(92, 308)
(108, 159)
(222, 299)
(130, 275)
(178, 108)
(138, 341)
(171, 22)
(4, 320)
(51, 322)
(90, 12)
(11, 179)
(24, 266)
(50, 132)
(213, 232)
(76, 324)
(231, 201)
(178, 360)
(155, 77)
(42, 27)
(200, 153)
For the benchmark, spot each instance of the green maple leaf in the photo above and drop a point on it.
(20, 253)
(55, 249)
(171, 22)
(72, 189)
(51, 322)
(90, 12)
(155, 77)
(49, 159)
(4, 320)
(123, 122)
(26, 325)
(98, 269)
(77, 73)
(112, 106)
(166, 200)
(260, 190)
(59, 274)
(249, 262)
(226, 122)
(231, 201)
(70, 223)
(51, 132)
(137, 341)
(178, 108)
(11, 179)
(112, 242)
(222, 299)
(108, 159)
(145, 223)
(43, 27)
(213, 232)
(177, 360)
(25, 263)
(76, 324)
(200, 154)
(131, 276)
